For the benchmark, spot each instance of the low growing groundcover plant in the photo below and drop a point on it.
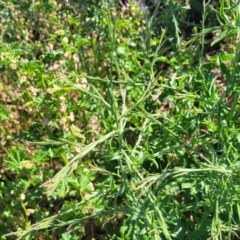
(119, 120)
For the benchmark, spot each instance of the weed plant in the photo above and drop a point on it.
(119, 120)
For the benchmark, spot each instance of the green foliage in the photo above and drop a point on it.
(119, 121)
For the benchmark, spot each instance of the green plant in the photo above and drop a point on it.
(116, 125)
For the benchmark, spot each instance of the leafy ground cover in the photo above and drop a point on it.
(119, 120)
